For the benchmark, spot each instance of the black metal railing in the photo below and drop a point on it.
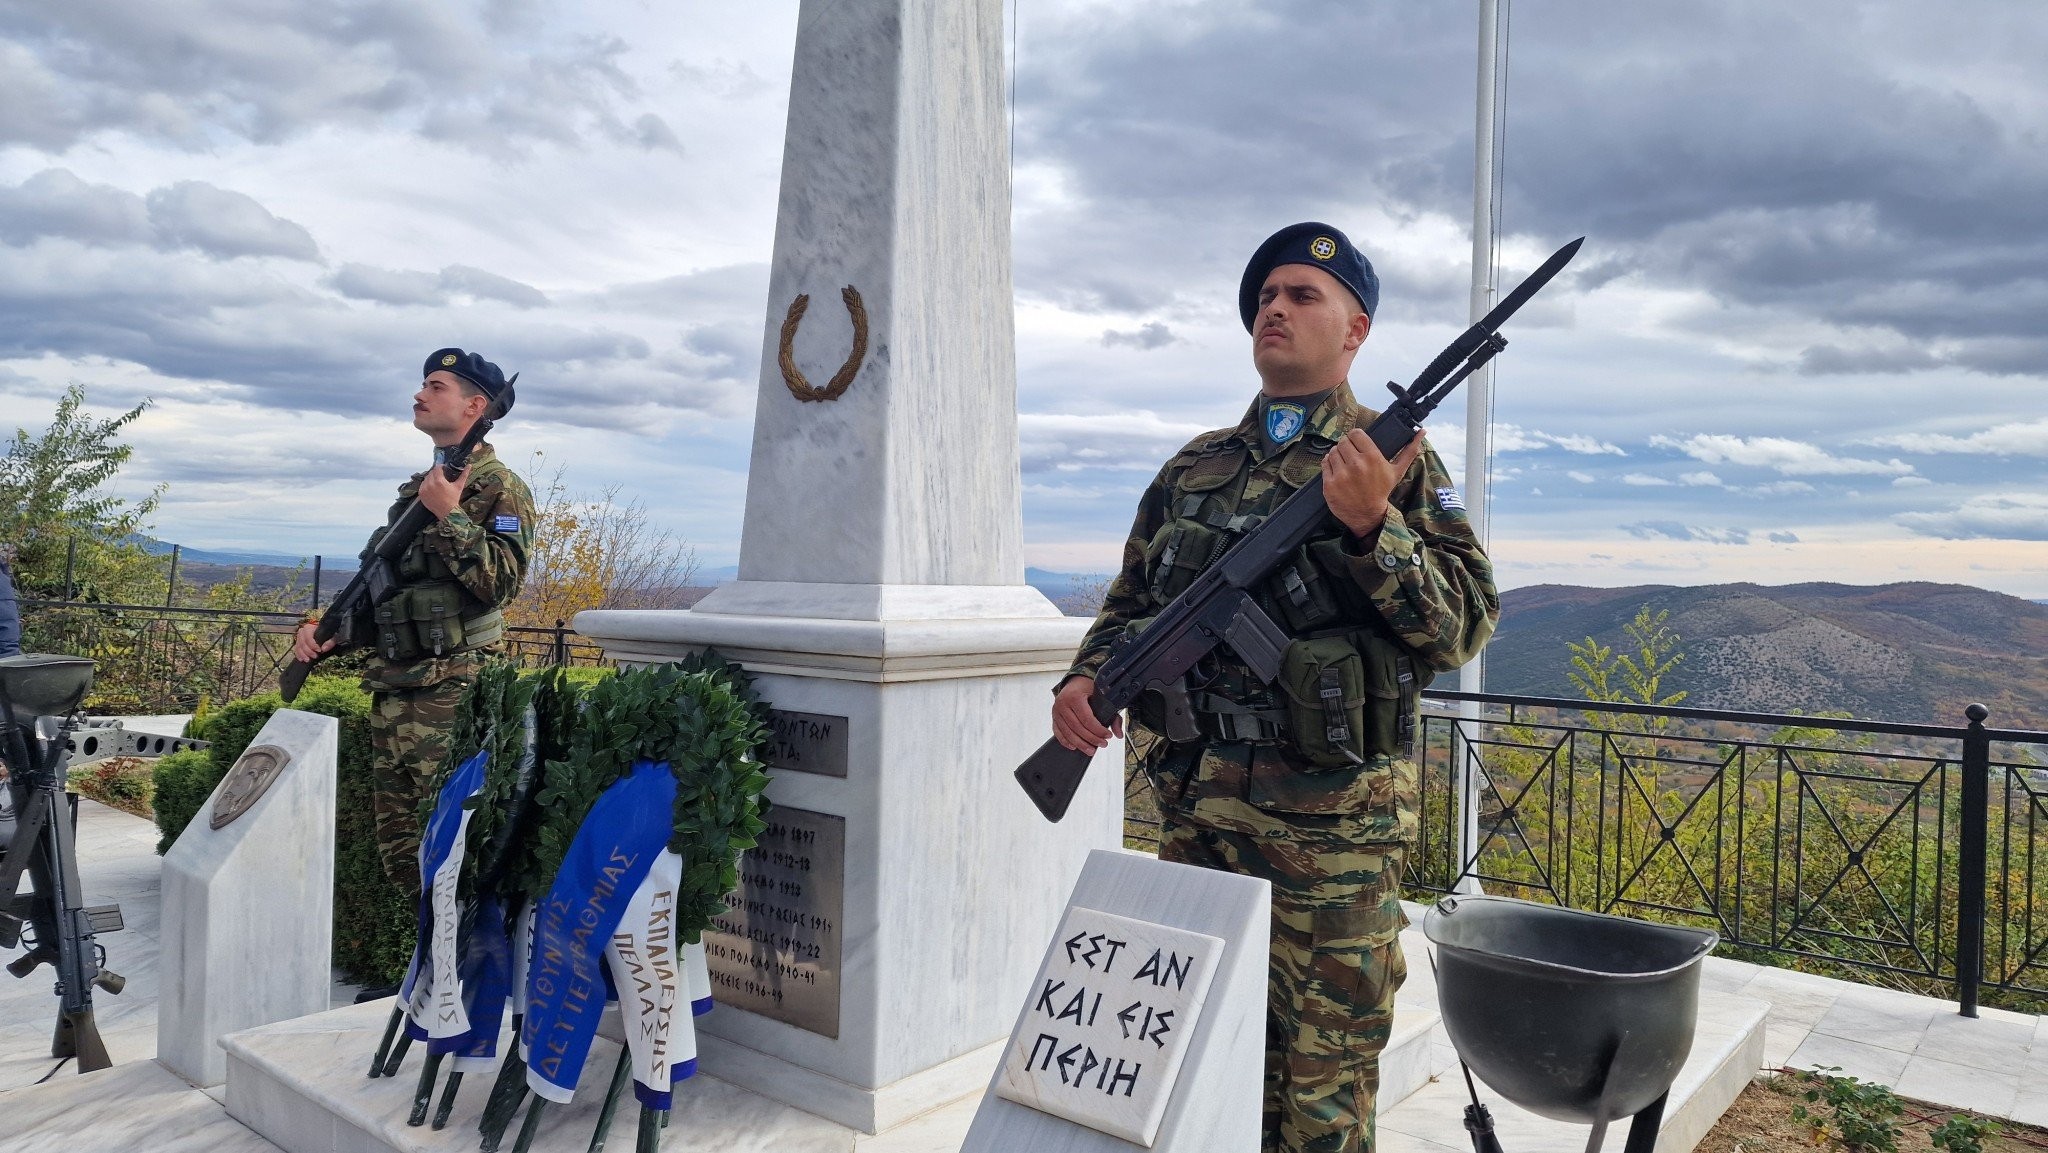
(1902, 853)
(157, 659)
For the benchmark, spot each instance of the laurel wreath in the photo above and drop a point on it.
(793, 377)
(701, 716)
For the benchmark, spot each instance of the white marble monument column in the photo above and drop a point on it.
(881, 593)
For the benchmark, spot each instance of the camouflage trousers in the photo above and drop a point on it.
(1335, 966)
(409, 733)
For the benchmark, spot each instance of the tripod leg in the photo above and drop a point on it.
(1642, 1132)
(384, 1046)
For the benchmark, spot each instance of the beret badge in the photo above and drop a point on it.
(1322, 248)
(448, 361)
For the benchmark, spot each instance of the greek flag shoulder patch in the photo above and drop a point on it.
(1447, 498)
(504, 523)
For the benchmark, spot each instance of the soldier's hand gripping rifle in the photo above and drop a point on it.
(1218, 609)
(377, 581)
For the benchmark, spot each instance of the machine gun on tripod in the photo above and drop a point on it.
(38, 691)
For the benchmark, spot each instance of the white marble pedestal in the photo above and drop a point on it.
(248, 908)
(952, 881)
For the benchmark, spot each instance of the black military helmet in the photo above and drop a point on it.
(1318, 245)
(473, 368)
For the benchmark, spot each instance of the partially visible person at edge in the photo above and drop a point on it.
(431, 639)
(1394, 588)
(10, 609)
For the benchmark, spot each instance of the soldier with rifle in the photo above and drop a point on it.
(427, 601)
(1277, 738)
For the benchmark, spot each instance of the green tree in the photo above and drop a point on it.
(1642, 672)
(54, 498)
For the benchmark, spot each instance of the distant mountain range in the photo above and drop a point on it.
(1912, 652)
(331, 561)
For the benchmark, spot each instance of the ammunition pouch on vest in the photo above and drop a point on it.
(1350, 696)
(426, 621)
(1345, 694)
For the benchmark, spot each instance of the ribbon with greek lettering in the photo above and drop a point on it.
(613, 850)
(432, 992)
(645, 959)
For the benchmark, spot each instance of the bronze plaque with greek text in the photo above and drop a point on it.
(775, 949)
(806, 743)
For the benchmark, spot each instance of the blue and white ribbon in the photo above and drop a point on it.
(612, 853)
(646, 962)
(433, 992)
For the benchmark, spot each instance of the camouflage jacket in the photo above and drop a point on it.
(1423, 579)
(482, 546)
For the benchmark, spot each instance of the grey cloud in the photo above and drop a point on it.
(1835, 360)
(1882, 181)
(54, 202)
(1783, 538)
(225, 224)
(1145, 337)
(1674, 530)
(387, 286)
(476, 282)
(273, 343)
(652, 132)
(1996, 516)
(490, 77)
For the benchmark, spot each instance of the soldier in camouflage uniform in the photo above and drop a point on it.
(432, 638)
(1306, 782)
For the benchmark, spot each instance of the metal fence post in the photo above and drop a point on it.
(561, 642)
(1970, 878)
(316, 582)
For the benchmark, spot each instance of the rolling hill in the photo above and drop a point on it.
(1912, 652)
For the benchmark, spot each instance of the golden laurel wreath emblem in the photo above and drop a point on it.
(793, 376)
(1322, 248)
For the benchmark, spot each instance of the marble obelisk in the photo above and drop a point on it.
(880, 942)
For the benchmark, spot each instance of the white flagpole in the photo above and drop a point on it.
(1478, 416)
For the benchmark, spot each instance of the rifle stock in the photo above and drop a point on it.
(374, 582)
(1216, 608)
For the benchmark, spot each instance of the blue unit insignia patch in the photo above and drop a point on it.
(1283, 421)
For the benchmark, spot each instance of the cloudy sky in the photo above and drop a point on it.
(1805, 339)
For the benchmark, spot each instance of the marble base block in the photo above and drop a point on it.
(248, 908)
(1214, 1102)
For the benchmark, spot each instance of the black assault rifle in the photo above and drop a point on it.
(1218, 607)
(377, 581)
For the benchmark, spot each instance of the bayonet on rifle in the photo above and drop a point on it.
(1218, 608)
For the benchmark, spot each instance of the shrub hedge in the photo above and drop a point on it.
(374, 923)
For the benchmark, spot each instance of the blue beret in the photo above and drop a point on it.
(1315, 244)
(471, 367)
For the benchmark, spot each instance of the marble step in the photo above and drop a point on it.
(132, 1106)
(301, 1085)
(1727, 1050)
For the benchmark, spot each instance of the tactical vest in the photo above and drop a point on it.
(1348, 690)
(432, 615)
